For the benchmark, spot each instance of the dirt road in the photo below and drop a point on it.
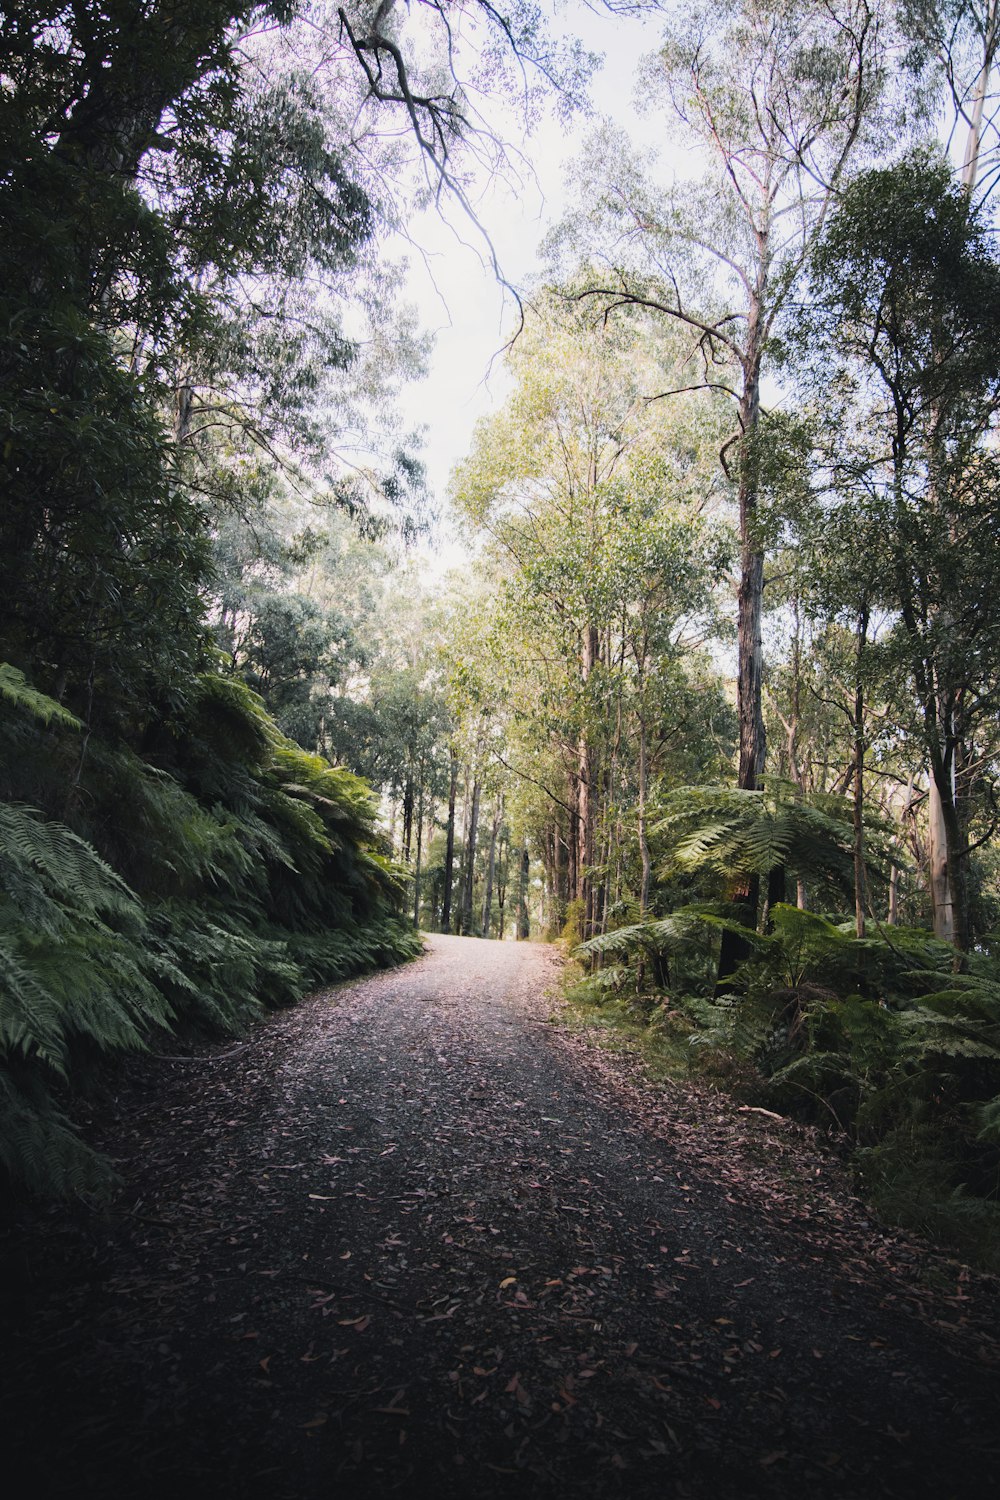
(414, 1239)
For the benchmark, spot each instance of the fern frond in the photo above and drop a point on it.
(949, 1035)
(40, 1150)
(729, 830)
(19, 694)
(36, 855)
(662, 935)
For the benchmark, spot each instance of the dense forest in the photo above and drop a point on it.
(715, 700)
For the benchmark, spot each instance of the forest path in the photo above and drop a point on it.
(415, 1240)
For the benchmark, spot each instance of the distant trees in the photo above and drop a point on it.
(603, 562)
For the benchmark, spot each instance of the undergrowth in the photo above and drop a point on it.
(875, 1041)
(182, 892)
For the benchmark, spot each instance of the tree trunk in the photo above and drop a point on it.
(572, 847)
(523, 920)
(643, 839)
(973, 142)
(449, 857)
(407, 819)
(750, 596)
(490, 870)
(892, 915)
(420, 842)
(860, 901)
(745, 896)
(503, 860)
(939, 868)
(470, 861)
(586, 801)
(558, 880)
(777, 889)
(947, 849)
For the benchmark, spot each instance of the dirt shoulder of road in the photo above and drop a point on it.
(794, 1178)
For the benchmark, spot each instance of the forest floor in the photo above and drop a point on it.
(417, 1237)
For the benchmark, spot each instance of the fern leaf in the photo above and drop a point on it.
(19, 693)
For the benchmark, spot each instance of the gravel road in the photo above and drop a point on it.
(415, 1239)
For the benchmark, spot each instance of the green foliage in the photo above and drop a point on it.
(876, 1039)
(726, 832)
(572, 928)
(19, 694)
(77, 982)
(253, 873)
(68, 947)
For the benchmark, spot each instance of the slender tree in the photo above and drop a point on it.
(779, 95)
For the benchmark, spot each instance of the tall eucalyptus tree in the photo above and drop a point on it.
(776, 97)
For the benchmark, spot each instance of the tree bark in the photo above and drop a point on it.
(750, 596)
(643, 839)
(585, 797)
(745, 896)
(860, 899)
(947, 842)
(420, 842)
(777, 888)
(490, 870)
(973, 142)
(407, 818)
(503, 860)
(449, 857)
(939, 864)
(572, 847)
(470, 861)
(523, 919)
(892, 915)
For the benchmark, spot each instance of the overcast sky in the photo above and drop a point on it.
(453, 286)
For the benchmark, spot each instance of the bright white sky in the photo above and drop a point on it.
(454, 288)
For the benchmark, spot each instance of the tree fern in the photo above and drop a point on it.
(74, 979)
(660, 935)
(932, 1034)
(728, 831)
(232, 722)
(988, 1120)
